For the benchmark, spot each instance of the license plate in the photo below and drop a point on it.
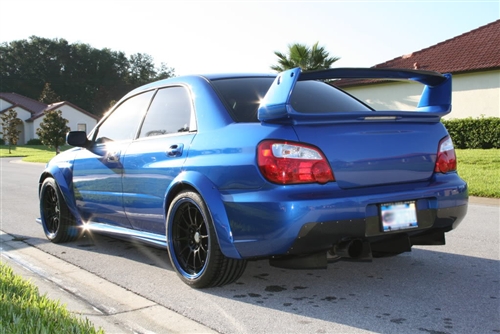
(398, 216)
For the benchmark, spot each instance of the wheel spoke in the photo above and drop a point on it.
(190, 238)
(51, 210)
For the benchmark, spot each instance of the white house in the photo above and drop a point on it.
(472, 58)
(32, 112)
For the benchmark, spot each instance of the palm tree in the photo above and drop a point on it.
(300, 55)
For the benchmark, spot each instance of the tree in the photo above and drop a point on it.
(10, 124)
(79, 73)
(307, 58)
(48, 96)
(53, 129)
(164, 72)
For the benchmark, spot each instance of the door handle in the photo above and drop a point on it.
(175, 150)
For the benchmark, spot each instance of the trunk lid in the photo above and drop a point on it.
(371, 153)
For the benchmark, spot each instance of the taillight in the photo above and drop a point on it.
(290, 163)
(446, 159)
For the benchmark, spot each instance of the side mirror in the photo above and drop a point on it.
(77, 138)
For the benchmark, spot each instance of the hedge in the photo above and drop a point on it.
(34, 141)
(482, 132)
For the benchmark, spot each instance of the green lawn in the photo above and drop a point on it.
(480, 168)
(32, 153)
(24, 310)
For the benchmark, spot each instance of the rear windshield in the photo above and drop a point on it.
(242, 97)
(316, 97)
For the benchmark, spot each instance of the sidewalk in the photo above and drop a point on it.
(106, 305)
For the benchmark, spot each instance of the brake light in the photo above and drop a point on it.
(291, 163)
(446, 159)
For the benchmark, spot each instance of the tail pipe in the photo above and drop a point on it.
(353, 248)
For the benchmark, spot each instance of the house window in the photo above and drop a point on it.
(82, 127)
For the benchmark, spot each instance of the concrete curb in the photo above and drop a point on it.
(484, 201)
(106, 305)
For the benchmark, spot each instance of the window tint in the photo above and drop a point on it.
(319, 97)
(123, 122)
(170, 112)
(242, 96)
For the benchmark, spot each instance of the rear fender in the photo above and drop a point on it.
(215, 206)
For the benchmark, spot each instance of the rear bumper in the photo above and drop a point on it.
(314, 237)
(312, 218)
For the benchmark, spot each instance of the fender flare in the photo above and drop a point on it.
(213, 199)
(61, 176)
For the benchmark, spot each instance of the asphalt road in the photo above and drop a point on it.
(442, 289)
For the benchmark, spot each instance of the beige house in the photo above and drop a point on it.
(32, 112)
(472, 58)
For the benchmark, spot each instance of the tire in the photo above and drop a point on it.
(58, 223)
(193, 247)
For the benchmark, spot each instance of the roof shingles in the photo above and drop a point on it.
(36, 108)
(33, 106)
(476, 50)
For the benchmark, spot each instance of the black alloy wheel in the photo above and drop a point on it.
(58, 223)
(193, 246)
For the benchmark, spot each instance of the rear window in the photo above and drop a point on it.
(242, 97)
(311, 97)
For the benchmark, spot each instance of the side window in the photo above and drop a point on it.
(170, 112)
(123, 122)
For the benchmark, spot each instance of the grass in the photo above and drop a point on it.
(24, 310)
(480, 168)
(32, 153)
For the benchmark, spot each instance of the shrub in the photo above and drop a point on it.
(34, 141)
(479, 133)
(2, 141)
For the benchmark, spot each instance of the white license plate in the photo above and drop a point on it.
(398, 216)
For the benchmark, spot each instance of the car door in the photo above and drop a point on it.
(151, 162)
(97, 171)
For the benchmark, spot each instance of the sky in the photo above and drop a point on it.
(241, 36)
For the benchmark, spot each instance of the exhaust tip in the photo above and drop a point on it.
(354, 249)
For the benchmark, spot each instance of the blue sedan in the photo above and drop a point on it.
(223, 169)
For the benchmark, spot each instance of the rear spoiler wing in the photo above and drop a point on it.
(435, 98)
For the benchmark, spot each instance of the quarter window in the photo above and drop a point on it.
(170, 112)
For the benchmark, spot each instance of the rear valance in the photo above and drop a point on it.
(435, 98)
